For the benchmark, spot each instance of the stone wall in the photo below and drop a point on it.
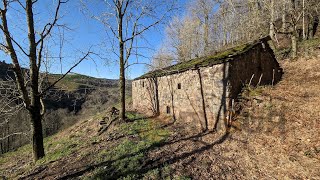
(202, 95)
(183, 97)
(144, 96)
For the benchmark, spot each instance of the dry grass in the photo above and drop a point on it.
(57, 148)
(283, 128)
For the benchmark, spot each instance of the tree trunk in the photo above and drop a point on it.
(294, 33)
(283, 18)
(225, 39)
(271, 27)
(35, 107)
(37, 135)
(1, 147)
(1, 141)
(122, 67)
(294, 45)
(122, 90)
(303, 21)
(206, 34)
(8, 138)
(310, 30)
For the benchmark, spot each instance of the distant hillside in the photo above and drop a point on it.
(73, 87)
(72, 82)
(5, 71)
(73, 97)
(76, 81)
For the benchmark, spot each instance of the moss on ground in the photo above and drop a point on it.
(249, 91)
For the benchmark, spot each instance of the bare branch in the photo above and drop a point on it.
(13, 55)
(143, 30)
(137, 63)
(40, 55)
(48, 27)
(13, 134)
(126, 7)
(65, 74)
(15, 42)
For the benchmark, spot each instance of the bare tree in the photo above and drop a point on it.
(162, 58)
(203, 10)
(30, 91)
(184, 37)
(234, 22)
(127, 21)
(10, 107)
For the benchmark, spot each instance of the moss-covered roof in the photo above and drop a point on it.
(215, 59)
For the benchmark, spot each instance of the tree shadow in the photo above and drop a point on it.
(203, 101)
(162, 161)
(152, 96)
(223, 103)
(111, 172)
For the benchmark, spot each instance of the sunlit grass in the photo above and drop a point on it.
(128, 156)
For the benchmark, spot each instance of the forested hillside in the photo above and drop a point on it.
(73, 97)
(209, 26)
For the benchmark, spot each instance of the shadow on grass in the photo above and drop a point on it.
(109, 169)
(133, 116)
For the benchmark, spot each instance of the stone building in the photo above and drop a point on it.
(202, 90)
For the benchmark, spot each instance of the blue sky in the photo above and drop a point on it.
(85, 32)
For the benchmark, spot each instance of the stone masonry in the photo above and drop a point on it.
(203, 94)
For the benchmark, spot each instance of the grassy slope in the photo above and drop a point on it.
(279, 140)
(73, 82)
(65, 84)
(81, 145)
